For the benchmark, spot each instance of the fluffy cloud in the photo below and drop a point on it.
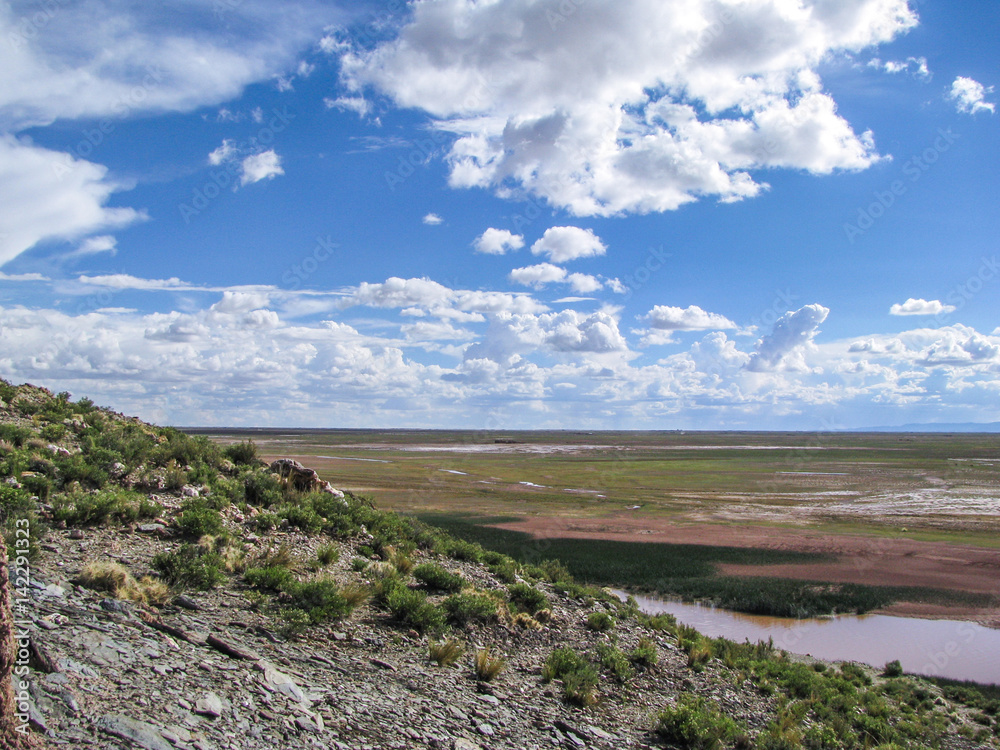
(691, 318)
(263, 166)
(646, 120)
(792, 331)
(538, 275)
(498, 242)
(432, 220)
(237, 360)
(563, 244)
(49, 195)
(509, 337)
(129, 61)
(915, 66)
(970, 96)
(921, 307)
(397, 292)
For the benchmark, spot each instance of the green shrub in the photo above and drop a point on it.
(644, 654)
(460, 549)
(197, 520)
(76, 468)
(15, 434)
(270, 578)
(38, 485)
(411, 608)
(112, 505)
(579, 676)
(470, 607)
(437, 578)
(190, 567)
(262, 489)
(561, 662)
(694, 723)
(174, 478)
(615, 661)
(301, 517)
(327, 554)
(294, 622)
(893, 669)
(580, 687)
(242, 454)
(527, 598)
(320, 599)
(602, 622)
(264, 522)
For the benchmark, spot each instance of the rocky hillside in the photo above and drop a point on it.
(184, 595)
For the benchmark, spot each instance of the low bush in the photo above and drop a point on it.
(470, 607)
(111, 505)
(271, 578)
(197, 520)
(411, 608)
(190, 566)
(602, 622)
(327, 554)
(893, 669)
(437, 578)
(242, 453)
(527, 598)
(578, 675)
(644, 655)
(694, 723)
(615, 661)
(320, 599)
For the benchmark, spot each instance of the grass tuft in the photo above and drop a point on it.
(445, 653)
(486, 665)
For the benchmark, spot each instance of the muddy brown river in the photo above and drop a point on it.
(933, 648)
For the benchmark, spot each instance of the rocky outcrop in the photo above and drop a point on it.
(301, 478)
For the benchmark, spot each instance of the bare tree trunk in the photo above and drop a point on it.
(14, 732)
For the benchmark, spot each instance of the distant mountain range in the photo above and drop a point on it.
(935, 427)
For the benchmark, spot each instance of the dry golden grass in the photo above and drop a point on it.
(115, 579)
(486, 665)
(445, 653)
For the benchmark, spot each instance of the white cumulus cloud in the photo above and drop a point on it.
(970, 96)
(921, 307)
(563, 244)
(691, 318)
(263, 166)
(538, 275)
(498, 242)
(791, 331)
(49, 195)
(632, 106)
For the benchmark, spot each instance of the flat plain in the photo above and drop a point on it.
(916, 512)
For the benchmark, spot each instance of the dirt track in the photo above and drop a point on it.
(858, 559)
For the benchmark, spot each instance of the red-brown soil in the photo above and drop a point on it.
(876, 561)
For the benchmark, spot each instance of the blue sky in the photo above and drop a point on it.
(516, 214)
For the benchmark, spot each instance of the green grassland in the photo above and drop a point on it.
(784, 478)
(465, 481)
